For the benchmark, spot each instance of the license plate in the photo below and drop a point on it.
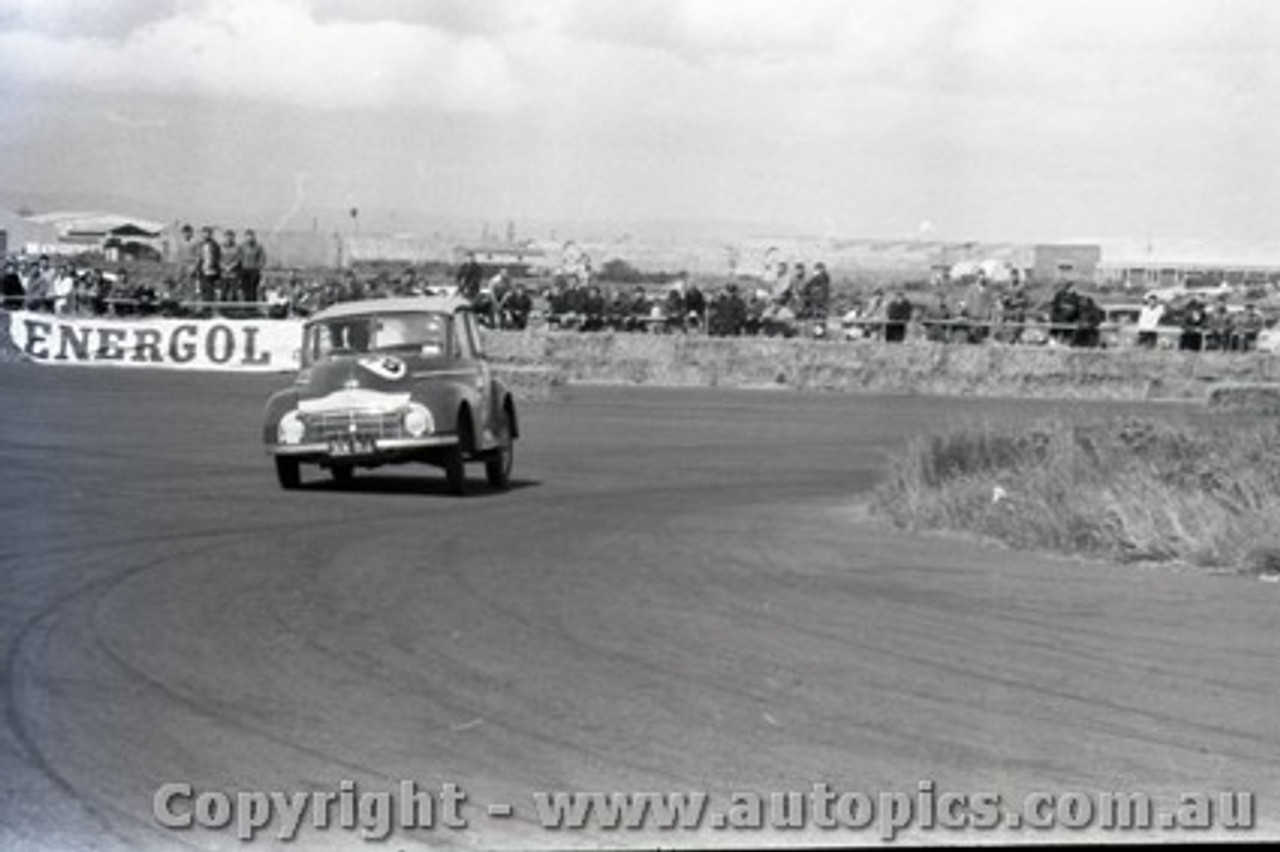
(351, 446)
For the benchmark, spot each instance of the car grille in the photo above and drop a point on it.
(339, 424)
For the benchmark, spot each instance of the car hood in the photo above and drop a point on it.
(367, 382)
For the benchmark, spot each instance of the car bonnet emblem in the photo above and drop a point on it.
(385, 366)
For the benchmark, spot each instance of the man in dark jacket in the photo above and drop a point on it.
(253, 259)
(817, 293)
(695, 303)
(1193, 323)
(1089, 318)
(897, 315)
(469, 276)
(517, 306)
(13, 293)
(1064, 312)
(209, 268)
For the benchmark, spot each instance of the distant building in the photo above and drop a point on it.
(1189, 263)
(1063, 261)
(521, 258)
(22, 234)
(118, 237)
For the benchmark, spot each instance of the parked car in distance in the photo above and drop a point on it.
(391, 381)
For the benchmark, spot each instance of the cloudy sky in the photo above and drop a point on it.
(983, 119)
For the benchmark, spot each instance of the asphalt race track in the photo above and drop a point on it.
(681, 593)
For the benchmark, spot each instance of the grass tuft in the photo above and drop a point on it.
(1132, 489)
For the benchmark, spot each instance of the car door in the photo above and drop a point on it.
(474, 371)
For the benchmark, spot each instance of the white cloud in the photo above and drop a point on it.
(69, 17)
(473, 17)
(273, 51)
(817, 106)
(676, 55)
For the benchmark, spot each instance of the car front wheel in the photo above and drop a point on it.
(289, 472)
(455, 472)
(501, 459)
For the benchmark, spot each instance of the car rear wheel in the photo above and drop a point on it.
(501, 459)
(289, 472)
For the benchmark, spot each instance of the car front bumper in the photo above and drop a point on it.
(379, 447)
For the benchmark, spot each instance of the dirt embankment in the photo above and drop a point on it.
(926, 368)
(1138, 489)
(534, 361)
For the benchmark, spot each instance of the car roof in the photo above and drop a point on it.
(401, 305)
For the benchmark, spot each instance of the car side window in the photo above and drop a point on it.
(473, 333)
(462, 338)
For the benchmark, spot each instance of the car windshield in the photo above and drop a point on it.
(404, 333)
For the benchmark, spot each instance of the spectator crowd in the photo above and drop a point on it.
(65, 287)
(208, 274)
(225, 277)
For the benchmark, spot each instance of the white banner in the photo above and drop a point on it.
(203, 344)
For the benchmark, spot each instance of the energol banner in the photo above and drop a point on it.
(206, 344)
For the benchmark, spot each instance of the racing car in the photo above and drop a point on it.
(391, 381)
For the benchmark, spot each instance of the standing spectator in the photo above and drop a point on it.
(1248, 325)
(696, 305)
(82, 299)
(1064, 312)
(1149, 321)
(1218, 326)
(1014, 306)
(726, 313)
(978, 306)
(638, 310)
(11, 289)
(1193, 323)
(558, 301)
(188, 259)
(735, 312)
(469, 277)
(593, 308)
(40, 287)
(489, 305)
(500, 286)
(63, 289)
(209, 268)
(1088, 323)
(351, 289)
(754, 311)
(873, 314)
(817, 293)
(938, 320)
(575, 300)
(780, 291)
(231, 267)
(897, 314)
(253, 259)
(616, 312)
(674, 307)
(798, 279)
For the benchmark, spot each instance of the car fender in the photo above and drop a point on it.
(500, 398)
(278, 405)
(446, 399)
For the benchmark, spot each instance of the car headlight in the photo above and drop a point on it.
(418, 421)
(291, 429)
